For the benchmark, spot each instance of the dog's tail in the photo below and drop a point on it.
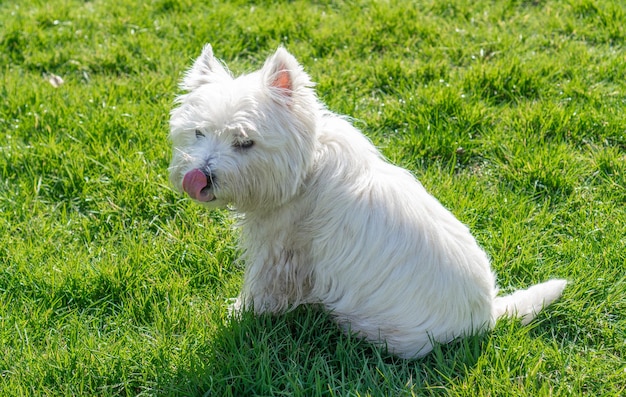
(526, 303)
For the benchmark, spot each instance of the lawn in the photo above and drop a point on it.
(511, 112)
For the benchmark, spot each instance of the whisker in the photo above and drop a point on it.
(185, 155)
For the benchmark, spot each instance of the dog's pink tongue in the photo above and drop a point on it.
(194, 184)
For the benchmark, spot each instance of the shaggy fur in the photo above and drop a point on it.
(326, 219)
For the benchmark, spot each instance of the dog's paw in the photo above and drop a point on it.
(235, 307)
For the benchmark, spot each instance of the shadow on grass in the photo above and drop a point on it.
(303, 353)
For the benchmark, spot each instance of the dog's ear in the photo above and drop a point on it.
(284, 76)
(205, 70)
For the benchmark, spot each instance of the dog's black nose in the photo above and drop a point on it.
(210, 177)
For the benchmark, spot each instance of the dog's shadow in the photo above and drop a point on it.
(304, 353)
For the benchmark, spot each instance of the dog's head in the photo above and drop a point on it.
(247, 141)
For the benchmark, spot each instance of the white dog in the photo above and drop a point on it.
(326, 219)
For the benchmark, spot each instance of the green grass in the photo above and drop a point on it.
(111, 284)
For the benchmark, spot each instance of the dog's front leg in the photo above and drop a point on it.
(273, 285)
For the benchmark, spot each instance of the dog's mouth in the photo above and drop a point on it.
(198, 186)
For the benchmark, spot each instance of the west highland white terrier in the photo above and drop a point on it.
(325, 219)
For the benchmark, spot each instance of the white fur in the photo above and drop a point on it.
(327, 220)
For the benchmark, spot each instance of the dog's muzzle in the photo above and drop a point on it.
(198, 185)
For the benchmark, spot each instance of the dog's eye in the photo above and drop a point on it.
(243, 144)
(199, 134)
